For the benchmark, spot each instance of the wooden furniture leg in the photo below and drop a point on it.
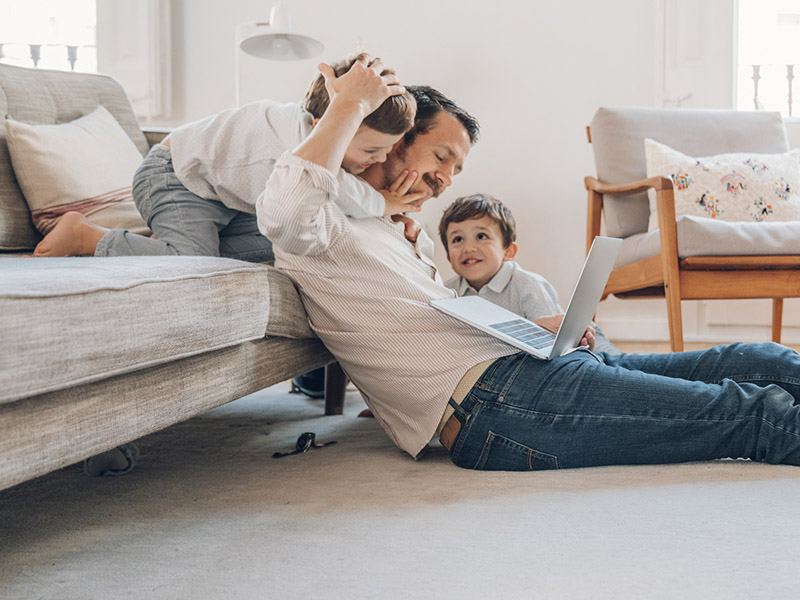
(777, 319)
(335, 386)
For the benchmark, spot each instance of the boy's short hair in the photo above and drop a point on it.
(475, 207)
(393, 117)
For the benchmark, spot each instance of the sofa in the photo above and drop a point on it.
(97, 352)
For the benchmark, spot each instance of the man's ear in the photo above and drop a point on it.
(511, 251)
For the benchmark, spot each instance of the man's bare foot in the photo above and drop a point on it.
(73, 235)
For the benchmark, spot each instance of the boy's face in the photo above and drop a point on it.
(367, 148)
(475, 250)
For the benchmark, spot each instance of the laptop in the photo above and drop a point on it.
(527, 335)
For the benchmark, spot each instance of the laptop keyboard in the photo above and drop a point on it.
(525, 332)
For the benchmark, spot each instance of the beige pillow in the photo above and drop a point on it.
(86, 165)
(730, 187)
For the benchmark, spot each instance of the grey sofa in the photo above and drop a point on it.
(96, 352)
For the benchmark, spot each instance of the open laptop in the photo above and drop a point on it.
(527, 335)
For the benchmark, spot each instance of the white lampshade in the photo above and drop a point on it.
(277, 40)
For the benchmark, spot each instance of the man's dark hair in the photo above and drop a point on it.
(475, 207)
(431, 102)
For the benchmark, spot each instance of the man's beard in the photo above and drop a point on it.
(395, 165)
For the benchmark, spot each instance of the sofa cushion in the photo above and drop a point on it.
(39, 96)
(86, 165)
(618, 142)
(67, 321)
(699, 236)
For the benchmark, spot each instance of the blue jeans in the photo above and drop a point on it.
(182, 222)
(583, 410)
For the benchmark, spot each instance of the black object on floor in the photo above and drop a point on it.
(305, 442)
(312, 384)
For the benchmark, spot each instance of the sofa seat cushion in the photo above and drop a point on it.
(698, 236)
(68, 321)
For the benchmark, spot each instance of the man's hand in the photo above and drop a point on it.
(411, 227)
(362, 86)
(397, 197)
(553, 322)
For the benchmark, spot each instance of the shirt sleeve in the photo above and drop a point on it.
(357, 198)
(295, 211)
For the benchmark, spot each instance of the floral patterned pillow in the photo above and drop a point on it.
(729, 187)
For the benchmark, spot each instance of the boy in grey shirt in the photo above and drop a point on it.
(479, 234)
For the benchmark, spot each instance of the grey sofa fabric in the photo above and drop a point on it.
(618, 144)
(49, 97)
(50, 431)
(97, 352)
(68, 321)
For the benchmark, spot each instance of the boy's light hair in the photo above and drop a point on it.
(393, 117)
(475, 207)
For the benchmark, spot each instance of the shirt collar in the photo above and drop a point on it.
(501, 279)
(497, 283)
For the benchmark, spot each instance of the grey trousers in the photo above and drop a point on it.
(182, 222)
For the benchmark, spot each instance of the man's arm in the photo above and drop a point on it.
(294, 211)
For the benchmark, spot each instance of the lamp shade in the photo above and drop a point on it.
(277, 40)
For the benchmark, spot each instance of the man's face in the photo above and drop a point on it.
(437, 156)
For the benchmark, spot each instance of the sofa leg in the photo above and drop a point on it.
(335, 386)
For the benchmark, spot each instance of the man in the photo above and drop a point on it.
(367, 289)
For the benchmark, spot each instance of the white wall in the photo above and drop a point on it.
(532, 71)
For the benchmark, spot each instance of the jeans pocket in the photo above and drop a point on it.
(503, 454)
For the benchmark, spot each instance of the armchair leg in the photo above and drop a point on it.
(777, 319)
(335, 386)
(674, 318)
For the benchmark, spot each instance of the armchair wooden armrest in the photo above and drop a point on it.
(626, 189)
(665, 201)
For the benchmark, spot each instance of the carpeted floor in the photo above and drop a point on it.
(208, 513)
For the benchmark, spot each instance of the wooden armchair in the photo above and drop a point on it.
(687, 258)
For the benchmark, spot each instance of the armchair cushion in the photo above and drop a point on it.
(730, 187)
(700, 236)
(618, 143)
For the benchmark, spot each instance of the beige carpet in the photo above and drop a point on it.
(208, 513)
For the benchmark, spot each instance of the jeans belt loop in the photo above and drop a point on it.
(450, 425)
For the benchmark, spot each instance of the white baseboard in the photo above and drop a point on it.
(646, 320)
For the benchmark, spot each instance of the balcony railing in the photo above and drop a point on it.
(772, 86)
(62, 57)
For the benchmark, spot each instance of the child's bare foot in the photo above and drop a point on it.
(73, 235)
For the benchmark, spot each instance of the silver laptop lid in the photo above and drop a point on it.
(587, 293)
(496, 320)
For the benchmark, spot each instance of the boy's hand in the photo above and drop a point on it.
(411, 227)
(553, 322)
(397, 197)
(362, 86)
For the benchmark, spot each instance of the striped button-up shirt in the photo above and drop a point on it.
(366, 290)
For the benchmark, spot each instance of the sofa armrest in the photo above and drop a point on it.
(155, 134)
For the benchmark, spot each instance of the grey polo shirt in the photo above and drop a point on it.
(520, 291)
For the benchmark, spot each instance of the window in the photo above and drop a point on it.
(49, 34)
(769, 56)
